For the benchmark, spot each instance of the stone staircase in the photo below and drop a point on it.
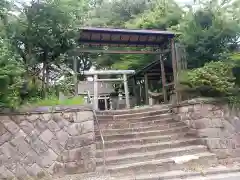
(147, 144)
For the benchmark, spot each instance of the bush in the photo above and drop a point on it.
(214, 79)
(11, 77)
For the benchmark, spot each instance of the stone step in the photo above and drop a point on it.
(133, 119)
(136, 116)
(134, 135)
(142, 140)
(107, 118)
(205, 159)
(150, 121)
(147, 147)
(140, 129)
(145, 156)
(142, 114)
(163, 121)
(130, 111)
(212, 172)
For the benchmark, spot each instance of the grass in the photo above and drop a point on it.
(53, 101)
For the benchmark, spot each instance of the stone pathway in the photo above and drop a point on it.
(88, 176)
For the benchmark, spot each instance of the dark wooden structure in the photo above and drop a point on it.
(159, 43)
(156, 80)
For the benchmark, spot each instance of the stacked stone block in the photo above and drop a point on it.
(46, 144)
(214, 123)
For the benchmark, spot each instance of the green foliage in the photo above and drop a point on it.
(66, 85)
(209, 32)
(52, 100)
(213, 79)
(235, 59)
(133, 61)
(116, 13)
(45, 30)
(44, 34)
(164, 15)
(11, 77)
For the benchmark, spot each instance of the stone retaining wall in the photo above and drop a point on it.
(216, 124)
(39, 144)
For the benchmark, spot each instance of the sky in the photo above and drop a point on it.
(185, 1)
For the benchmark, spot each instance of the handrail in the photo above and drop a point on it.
(89, 97)
(101, 134)
(103, 142)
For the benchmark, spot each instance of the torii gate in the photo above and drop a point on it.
(96, 79)
(105, 40)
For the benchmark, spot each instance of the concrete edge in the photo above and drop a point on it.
(48, 109)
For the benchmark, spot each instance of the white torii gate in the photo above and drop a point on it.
(95, 75)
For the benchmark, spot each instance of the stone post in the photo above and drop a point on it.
(126, 91)
(95, 98)
(105, 103)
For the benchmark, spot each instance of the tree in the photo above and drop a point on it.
(44, 31)
(209, 32)
(115, 13)
(163, 16)
(4, 8)
(11, 76)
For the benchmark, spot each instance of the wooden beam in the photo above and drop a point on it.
(110, 80)
(146, 88)
(109, 72)
(169, 84)
(119, 51)
(174, 66)
(153, 74)
(163, 79)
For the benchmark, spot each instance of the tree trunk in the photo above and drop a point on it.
(47, 79)
(43, 78)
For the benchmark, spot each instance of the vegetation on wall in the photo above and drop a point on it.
(214, 79)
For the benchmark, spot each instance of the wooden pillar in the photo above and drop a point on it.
(75, 79)
(126, 91)
(163, 75)
(146, 88)
(134, 86)
(174, 66)
(135, 95)
(140, 93)
(95, 98)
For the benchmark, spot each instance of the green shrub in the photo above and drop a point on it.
(213, 79)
